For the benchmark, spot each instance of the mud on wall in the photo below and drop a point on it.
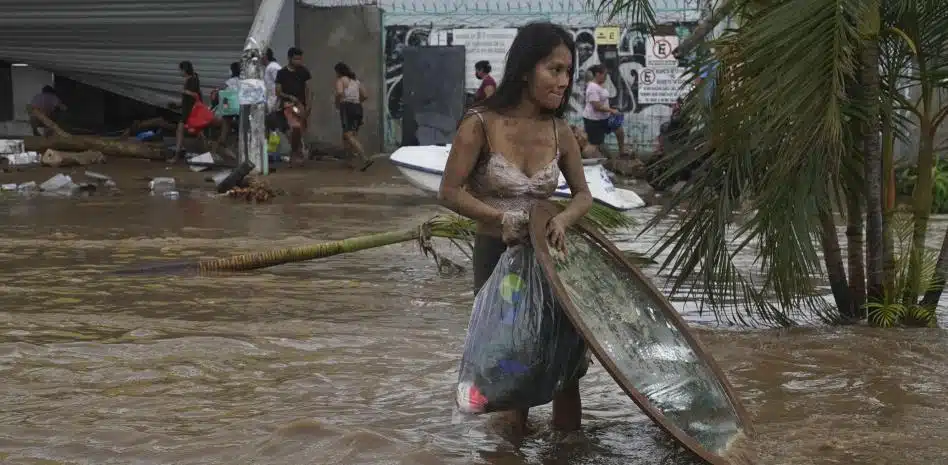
(350, 34)
(642, 121)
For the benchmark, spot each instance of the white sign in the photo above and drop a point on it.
(252, 91)
(658, 51)
(661, 85)
(481, 44)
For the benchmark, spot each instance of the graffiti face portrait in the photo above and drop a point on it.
(585, 48)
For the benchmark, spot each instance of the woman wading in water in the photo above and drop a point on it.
(507, 155)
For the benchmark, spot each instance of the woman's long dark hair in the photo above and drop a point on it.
(187, 67)
(343, 70)
(533, 43)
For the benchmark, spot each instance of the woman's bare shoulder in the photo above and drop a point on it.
(562, 126)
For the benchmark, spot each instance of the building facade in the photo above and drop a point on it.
(626, 54)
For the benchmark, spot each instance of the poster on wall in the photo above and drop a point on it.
(662, 79)
(661, 85)
(481, 44)
(658, 51)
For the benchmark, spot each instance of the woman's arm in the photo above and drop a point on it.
(599, 106)
(363, 95)
(340, 91)
(571, 164)
(465, 151)
(279, 92)
(186, 91)
(489, 90)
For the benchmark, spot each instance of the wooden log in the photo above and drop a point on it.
(59, 158)
(108, 147)
(69, 143)
(49, 123)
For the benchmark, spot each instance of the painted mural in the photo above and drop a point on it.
(624, 62)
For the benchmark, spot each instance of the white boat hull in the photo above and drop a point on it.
(423, 167)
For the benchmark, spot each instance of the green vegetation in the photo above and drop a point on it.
(788, 123)
(906, 178)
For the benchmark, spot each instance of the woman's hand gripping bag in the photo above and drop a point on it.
(521, 347)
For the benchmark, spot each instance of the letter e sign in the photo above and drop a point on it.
(608, 35)
(661, 48)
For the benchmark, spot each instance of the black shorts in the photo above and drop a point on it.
(596, 130)
(351, 116)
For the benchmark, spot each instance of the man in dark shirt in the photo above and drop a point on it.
(294, 96)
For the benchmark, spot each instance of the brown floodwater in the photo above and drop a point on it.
(352, 360)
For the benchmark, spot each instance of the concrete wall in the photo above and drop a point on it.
(353, 35)
(643, 117)
(27, 82)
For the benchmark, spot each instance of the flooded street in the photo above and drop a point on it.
(352, 360)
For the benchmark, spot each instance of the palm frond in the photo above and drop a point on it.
(637, 14)
(777, 137)
(891, 311)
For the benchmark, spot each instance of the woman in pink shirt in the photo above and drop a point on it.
(596, 114)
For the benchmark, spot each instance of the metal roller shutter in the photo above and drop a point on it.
(127, 46)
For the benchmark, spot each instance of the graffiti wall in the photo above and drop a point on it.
(625, 61)
(396, 39)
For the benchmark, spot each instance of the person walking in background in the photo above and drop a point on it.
(269, 79)
(233, 82)
(47, 103)
(227, 121)
(190, 94)
(596, 115)
(295, 99)
(349, 95)
(488, 84)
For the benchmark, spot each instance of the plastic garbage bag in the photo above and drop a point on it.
(521, 347)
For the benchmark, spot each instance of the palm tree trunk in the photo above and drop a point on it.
(253, 261)
(855, 253)
(933, 295)
(833, 259)
(872, 151)
(923, 207)
(888, 170)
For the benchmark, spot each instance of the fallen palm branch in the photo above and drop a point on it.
(458, 230)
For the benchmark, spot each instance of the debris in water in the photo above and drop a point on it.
(234, 178)
(22, 158)
(59, 158)
(255, 191)
(27, 187)
(160, 185)
(204, 160)
(60, 183)
(8, 146)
